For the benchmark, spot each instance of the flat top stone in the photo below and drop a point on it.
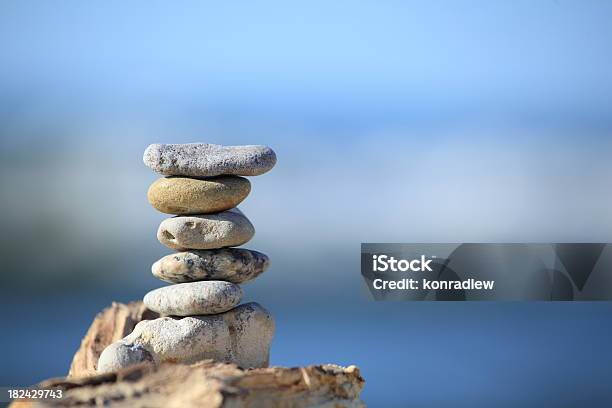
(206, 160)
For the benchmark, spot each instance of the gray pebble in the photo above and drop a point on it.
(206, 231)
(119, 355)
(237, 265)
(206, 160)
(194, 298)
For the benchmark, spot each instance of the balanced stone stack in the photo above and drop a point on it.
(201, 318)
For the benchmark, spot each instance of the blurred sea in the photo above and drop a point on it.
(440, 121)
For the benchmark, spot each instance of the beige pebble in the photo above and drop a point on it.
(182, 195)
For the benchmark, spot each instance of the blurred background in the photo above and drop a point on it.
(437, 121)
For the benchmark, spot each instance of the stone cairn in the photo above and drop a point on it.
(201, 318)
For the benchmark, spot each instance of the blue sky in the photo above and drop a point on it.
(476, 60)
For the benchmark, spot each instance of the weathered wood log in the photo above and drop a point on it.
(210, 384)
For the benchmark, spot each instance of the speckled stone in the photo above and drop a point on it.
(208, 231)
(206, 160)
(241, 336)
(237, 265)
(194, 298)
(182, 195)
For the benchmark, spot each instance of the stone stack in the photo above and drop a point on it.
(201, 318)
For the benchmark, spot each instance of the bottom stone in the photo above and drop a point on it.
(241, 336)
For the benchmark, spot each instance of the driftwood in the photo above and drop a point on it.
(205, 384)
(210, 384)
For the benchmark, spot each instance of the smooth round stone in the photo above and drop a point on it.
(206, 160)
(236, 265)
(194, 298)
(119, 355)
(207, 231)
(181, 195)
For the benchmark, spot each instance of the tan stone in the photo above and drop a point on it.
(183, 196)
